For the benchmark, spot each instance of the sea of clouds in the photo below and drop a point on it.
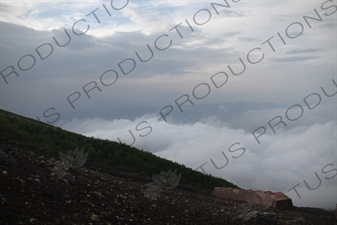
(299, 159)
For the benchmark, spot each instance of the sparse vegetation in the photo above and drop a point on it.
(94, 217)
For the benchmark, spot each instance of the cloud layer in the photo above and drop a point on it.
(279, 163)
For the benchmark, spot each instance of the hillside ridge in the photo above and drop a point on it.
(25, 132)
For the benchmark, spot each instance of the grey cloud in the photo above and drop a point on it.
(71, 67)
(293, 59)
(298, 51)
(244, 39)
(231, 34)
(330, 25)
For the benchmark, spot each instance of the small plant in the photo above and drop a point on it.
(96, 193)
(94, 217)
(166, 180)
(70, 160)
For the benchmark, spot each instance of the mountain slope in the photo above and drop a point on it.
(25, 132)
(30, 195)
(109, 188)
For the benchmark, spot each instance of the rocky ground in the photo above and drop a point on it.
(29, 194)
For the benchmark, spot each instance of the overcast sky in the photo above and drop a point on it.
(191, 81)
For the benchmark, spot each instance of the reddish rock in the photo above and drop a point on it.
(277, 200)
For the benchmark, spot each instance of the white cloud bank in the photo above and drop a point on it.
(292, 156)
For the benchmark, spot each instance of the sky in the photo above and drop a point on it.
(243, 90)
